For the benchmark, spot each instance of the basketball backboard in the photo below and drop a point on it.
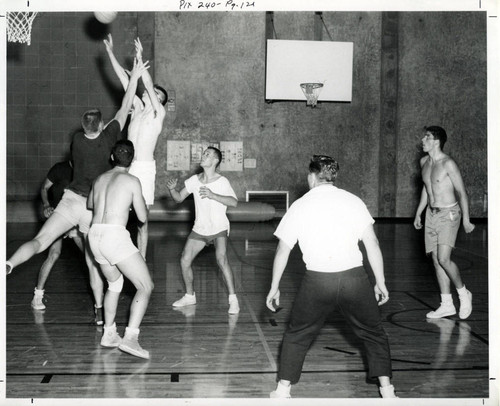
(290, 63)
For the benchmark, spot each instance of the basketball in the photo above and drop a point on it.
(105, 17)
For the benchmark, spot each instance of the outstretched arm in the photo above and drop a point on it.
(119, 70)
(137, 71)
(148, 82)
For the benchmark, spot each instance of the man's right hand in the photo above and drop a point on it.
(109, 43)
(417, 223)
(172, 184)
(47, 211)
(139, 68)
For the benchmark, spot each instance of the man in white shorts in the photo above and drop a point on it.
(58, 178)
(111, 197)
(91, 149)
(212, 195)
(145, 126)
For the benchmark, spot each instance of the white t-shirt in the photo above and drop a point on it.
(328, 223)
(210, 214)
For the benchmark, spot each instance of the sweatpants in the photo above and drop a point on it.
(319, 294)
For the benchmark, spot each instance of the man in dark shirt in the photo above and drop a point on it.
(58, 178)
(91, 150)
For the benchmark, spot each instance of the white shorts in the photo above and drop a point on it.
(110, 243)
(73, 208)
(146, 172)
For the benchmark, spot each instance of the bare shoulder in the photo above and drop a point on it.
(162, 112)
(423, 160)
(131, 178)
(449, 163)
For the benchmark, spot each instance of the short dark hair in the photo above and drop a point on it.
(123, 153)
(91, 120)
(218, 153)
(161, 89)
(439, 134)
(325, 167)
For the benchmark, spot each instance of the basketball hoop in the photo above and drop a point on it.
(19, 26)
(311, 91)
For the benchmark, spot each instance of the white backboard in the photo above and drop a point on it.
(290, 63)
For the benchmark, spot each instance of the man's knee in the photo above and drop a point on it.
(117, 285)
(186, 260)
(42, 242)
(444, 258)
(146, 286)
(221, 259)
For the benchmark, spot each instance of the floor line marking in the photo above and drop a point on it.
(261, 335)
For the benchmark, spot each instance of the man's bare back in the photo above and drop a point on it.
(438, 184)
(114, 193)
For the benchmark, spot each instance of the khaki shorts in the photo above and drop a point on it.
(441, 227)
(146, 172)
(73, 208)
(110, 243)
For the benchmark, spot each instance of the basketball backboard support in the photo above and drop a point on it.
(290, 63)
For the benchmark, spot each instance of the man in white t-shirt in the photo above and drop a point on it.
(212, 194)
(328, 224)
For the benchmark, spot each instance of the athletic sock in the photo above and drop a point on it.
(446, 298)
(133, 332)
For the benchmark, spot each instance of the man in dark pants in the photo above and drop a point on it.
(328, 224)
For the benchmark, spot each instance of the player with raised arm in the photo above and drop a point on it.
(146, 123)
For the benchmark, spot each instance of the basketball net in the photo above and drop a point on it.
(311, 91)
(19, 26)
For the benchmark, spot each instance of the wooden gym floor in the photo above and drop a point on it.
(202, 352)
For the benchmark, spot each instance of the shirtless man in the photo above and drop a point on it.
(91, 148)
(111, 197)
(442, 185)
(212, 194)
(145, 126)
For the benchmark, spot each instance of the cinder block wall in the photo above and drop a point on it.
(215, 62)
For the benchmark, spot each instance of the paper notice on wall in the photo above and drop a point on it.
(197, 149)
(232, 155)
(178, 155)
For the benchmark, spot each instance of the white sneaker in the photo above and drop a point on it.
(130, 344)
(234, 306)
(37, 302)
(185, 300)
(446, 309)
(387, 391)
(465, 305)
(275, 394)
(281, 391)
(110, 338)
